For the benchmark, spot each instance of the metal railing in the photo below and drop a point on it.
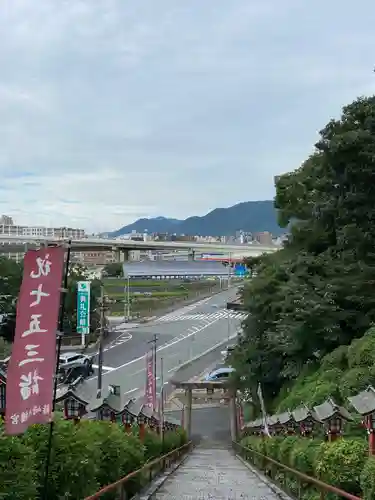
(149, 471)
(273, 466)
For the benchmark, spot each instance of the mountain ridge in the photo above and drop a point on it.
(248, 216)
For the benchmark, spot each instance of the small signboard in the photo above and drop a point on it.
(83, 307)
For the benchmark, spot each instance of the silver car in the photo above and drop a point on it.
(72, 360)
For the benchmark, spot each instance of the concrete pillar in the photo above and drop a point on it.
(187, 415)
(121, 255)
(233, 416)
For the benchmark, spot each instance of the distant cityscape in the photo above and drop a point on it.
(101, 257)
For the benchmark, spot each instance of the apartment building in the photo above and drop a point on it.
(42, 232)
(8, 227)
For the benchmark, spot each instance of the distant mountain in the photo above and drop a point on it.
(250, 216)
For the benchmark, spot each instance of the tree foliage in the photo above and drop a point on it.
(317, 292)
(10, 283)
(84, 458)
(113, 270)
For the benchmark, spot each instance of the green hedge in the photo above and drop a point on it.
(343, 463)
(85, 457)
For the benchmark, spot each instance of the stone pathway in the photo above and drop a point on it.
(214, 474)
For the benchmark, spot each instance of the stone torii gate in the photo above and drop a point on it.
(212, 391)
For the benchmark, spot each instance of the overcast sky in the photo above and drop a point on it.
(111, 110)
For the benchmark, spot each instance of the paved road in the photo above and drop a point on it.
(182, 335)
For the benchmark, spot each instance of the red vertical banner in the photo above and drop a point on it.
(150, 383)
(30, 374)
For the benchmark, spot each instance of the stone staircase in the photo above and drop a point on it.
(212, 471)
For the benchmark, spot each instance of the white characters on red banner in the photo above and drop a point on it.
(29, 384)
(30, 395)
(44, 267)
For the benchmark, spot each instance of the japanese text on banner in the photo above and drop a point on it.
(29, 389)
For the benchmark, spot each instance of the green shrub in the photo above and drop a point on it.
(18, 476)
(152, 445)
(303, 455)
(272, 446)
(336, 359)
(258, 445)
(367, 479)
(354, 381)
(361, 352)
(340, 463)
(171, 441)
(120, 453)
(286, 448)
(74, 458)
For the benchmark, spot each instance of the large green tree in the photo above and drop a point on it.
(316, 293)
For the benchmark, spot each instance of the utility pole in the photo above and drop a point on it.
(101, 341)
(154, 343)
(228, 315)
(161, 401)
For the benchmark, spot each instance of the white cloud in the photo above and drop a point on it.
(115, 110)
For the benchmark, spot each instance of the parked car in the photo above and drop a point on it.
(219, 374)
(72, 365)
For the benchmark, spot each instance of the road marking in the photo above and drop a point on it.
(125, 337)
(174, 341)
(131, 390)
(107, 368)
(212, 348)
(181, 312)
(204, 317)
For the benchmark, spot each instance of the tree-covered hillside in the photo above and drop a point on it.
(250, 216)
(316, 294)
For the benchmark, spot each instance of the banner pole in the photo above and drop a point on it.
(60, 334)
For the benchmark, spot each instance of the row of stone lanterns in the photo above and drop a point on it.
(305, 421)
(113, 408)
(331, 416)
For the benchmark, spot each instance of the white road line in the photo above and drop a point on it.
(161, 348)
(107, 368)
(175, 368)
(131, 390)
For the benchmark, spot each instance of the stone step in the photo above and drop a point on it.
(214, 473)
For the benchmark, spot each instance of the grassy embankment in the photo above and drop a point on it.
(150, 296)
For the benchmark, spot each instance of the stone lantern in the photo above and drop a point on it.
(148, 415)
(306, 419)
(275, 426)
(364, 404)
(170, 425)
(109, 407)
(287, 422)
(333, 417)
(126, 416)
(74, 405)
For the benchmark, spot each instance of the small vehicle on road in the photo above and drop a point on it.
(72, 365)
(219, 374)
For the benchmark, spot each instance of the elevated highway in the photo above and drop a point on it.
(10, 243)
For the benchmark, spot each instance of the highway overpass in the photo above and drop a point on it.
(19, 243)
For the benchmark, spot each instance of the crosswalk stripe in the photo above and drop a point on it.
(203, 316)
